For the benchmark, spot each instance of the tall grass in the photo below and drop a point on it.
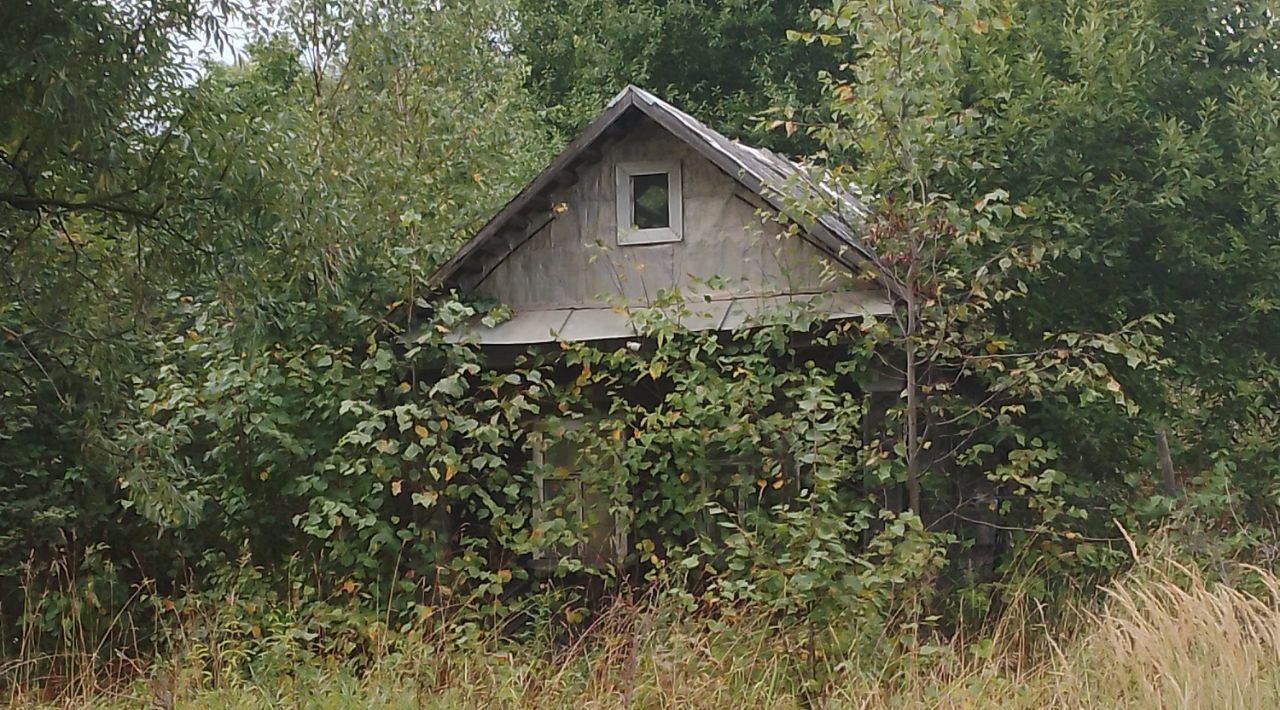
(1161, 637)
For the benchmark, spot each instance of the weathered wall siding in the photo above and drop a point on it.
(576, 260)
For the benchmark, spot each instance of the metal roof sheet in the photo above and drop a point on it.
(585, 324)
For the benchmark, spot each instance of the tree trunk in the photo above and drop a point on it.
(913, 436)
(1166, 462)
(913, 403)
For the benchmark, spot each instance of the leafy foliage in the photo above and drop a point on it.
(1086, 167)
(164, 340)
(221, 378)
(724, 62)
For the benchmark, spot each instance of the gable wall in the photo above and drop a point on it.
(576, 260)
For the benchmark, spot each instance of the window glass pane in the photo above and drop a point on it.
(650, 201)
(561, 491)
(562, 456)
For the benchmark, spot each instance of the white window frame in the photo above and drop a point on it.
(628, 235)
(539, 450)
(621, 520)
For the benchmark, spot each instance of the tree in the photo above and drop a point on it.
(725, 62)
(192, 262)
(346, 163)
(92, 96)
(1065, 171)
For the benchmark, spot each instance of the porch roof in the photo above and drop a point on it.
(602, 323)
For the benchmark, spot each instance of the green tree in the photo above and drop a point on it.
(724, 62)
(93, 94)
(200, 268)
(346, 164)
(1105, 163)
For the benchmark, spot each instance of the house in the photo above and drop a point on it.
(648, 198)
(649, 201)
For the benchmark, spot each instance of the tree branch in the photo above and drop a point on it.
(105, 204)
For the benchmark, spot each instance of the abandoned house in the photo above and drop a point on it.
(648, 200)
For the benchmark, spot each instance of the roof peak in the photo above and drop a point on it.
(632, 89)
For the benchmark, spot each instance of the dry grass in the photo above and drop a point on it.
(1177, 642)
(1162, 637)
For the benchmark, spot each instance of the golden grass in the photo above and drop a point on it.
(1161, 637)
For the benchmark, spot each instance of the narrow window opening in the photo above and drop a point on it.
(651, 201)
(587, 507)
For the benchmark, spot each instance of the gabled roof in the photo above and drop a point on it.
(762, 172)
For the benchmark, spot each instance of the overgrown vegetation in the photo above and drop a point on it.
(1161, 636)
(242, 462)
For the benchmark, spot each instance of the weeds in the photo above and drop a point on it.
(1163, 636)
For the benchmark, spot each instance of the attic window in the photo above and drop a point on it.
(650, 209)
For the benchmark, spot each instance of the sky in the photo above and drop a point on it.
(198, 49)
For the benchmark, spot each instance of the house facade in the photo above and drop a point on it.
(647, 208)
(649, 201)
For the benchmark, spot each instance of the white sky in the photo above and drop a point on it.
(198, 49)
